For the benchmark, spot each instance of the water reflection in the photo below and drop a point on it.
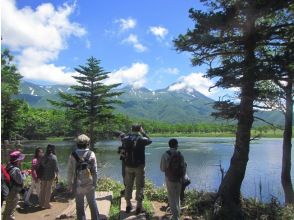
(203, 156)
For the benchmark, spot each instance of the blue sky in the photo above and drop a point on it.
(133, 40)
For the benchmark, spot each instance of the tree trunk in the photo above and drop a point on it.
(287, 145)
(92, 138)
(229, 190)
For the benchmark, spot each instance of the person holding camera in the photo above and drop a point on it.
(134, 145)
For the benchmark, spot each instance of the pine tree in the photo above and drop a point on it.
(228, 38)
(92, 103)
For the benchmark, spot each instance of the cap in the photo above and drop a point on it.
(16, 156)
(83, 139)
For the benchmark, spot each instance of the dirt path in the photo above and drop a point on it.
(159, 211)
(38, 214)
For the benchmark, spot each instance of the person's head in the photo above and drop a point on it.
(136, 128)
(173, 143)
(83, 141)
(16, 157)
(50, 149)
(38, 152)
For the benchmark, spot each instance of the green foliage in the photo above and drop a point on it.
(154, 193)
(108, 184)
(10, 79)
(92, 103)
(41, 123)
(287, 213)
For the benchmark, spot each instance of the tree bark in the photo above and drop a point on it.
(229, 190)
(287, 145)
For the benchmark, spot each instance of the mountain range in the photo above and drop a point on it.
(180, 106)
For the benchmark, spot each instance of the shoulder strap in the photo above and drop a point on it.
(75, 155)
(87, 158)
(169, 152)
(78, 159)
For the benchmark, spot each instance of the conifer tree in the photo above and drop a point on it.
(92, 102)
(10, 79)
(228, 38)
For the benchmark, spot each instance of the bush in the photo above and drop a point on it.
(154, 193)
(287, 213)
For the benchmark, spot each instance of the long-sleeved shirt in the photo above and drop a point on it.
(50, 164)
(72, 163)
(16, 177)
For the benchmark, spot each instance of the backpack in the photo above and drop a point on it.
(176, 168)
(84, 178)
(130, 144)
(5, 182)
(10, 182)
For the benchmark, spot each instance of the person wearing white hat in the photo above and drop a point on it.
(82, 177)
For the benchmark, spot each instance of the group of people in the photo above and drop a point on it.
(81, 178)
(132, 155)
(44, 172)
(82, 174)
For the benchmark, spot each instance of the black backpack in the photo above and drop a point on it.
(130, 144)
(176, 167)
(40, 169)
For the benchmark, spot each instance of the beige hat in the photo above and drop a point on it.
(83, 140)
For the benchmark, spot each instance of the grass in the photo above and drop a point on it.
(108, 184)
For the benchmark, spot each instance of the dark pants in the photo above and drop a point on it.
(92, 204)
(123, 171)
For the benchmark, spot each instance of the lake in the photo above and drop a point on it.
(203, 156)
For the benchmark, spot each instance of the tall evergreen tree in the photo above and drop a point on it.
(92, 102)
(10, 79)
(227, 38)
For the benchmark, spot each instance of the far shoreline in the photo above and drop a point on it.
(165, 135)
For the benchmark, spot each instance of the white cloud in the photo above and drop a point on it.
(170, 70)
(134, 75)
(126, 24)
(158, 31)
(133, 40)
(38, 36)
(194, 81)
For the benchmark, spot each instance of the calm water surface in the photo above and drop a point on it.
(203, 156)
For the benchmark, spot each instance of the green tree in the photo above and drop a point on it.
(10, 79)
(92, 103)
(227, 38)
(277, 57)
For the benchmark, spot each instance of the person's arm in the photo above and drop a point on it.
(17, 176)
(163, 163)
(56, 166)
(34, 169)
(94, 168)
(184, 164)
